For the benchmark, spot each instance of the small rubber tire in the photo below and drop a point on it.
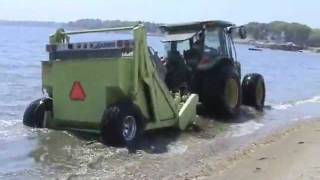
(254, 92)
(34, 113)
(221, 92)
(121, 124)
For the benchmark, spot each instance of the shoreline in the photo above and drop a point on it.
(277, 46)
(291, 153)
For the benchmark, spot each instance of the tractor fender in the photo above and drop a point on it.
(214, 67)
(226, 65)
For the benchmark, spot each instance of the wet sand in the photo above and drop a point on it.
(291, 154)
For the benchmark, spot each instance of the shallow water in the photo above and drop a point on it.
(293, 93)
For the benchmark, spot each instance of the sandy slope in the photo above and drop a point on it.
(293, 154)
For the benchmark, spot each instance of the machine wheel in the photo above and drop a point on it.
(121, 124)
(221, 92)
(34, 114)
(253, 88)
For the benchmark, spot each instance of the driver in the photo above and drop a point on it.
(177, 72)
(194, 55)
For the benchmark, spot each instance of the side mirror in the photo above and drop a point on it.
(242, 32)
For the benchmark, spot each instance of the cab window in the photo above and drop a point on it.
(180, 46)
(212, 42)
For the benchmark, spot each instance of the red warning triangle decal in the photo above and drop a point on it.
(77, 93)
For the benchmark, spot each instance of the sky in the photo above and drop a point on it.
(164, 11)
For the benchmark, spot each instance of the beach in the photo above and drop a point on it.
(290, 154)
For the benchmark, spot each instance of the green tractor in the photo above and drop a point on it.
(112, 88)
(201, 57)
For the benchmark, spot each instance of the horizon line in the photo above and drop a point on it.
(65, 22)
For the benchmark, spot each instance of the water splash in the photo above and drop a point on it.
(284, 106)
(238, 130)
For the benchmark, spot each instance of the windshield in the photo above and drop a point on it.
(212, 42)
(179, 46)
(212, 39)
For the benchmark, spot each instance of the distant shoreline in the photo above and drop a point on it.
(153, 30)
(31, 23)
(259, 45)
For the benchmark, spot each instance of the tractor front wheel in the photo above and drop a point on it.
(253, 88)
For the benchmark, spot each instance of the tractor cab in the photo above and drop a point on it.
(201, 57)
(196, 46)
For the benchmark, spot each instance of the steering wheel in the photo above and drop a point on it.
(211, 50)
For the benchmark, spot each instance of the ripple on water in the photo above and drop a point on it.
(11, 129)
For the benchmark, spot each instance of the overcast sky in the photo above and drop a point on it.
(164, 11)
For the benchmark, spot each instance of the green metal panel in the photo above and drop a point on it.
(95, 77)
(162, 106)
(188, 111)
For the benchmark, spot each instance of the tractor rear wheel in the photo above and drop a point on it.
(34, 113)
(121, 124)
(253, 88)
(221, 92)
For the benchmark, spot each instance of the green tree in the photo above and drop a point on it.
(278, 30)
(258, 31)
(314, 38)
(298, 33)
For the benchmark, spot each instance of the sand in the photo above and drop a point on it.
(292, 154)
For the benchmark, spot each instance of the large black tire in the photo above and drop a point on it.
(121, 124)
(254, 92)
(221, 92)
(34, 114)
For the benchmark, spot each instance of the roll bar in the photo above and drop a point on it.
(63, 37)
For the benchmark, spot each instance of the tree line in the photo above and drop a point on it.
(276, 31)
(281, 32)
